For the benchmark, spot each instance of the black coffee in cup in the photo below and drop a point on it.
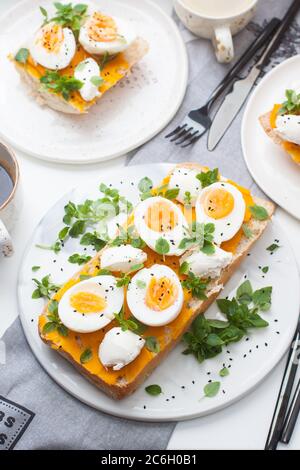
(6, 185)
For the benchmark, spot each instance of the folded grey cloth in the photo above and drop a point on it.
(35, 413)
(205, 73)
(60, 421)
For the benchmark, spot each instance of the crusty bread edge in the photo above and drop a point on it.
(133, 54)
(265, 121)
(121, 390)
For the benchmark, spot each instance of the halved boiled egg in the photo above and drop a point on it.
(158, 218)
(185, 179)
(118, 348)
(223, 205)
(53, 46)
(90, 305)
(155, 295)
(103, 34)
(122, 258)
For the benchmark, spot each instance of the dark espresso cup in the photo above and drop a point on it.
(9, 185)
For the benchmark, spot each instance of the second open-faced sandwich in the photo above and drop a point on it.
(282, 124)
(77, 55)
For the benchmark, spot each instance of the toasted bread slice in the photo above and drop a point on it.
(114, 71)
(119, 384)
(292, 149)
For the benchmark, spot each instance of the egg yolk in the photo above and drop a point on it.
(87, 302)
(52, 37)
(161, 293)
(218, 203)
(161, 217)
(102, 28)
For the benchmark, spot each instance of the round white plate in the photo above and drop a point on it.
(273, 170)
(127, 116)
(181, 377)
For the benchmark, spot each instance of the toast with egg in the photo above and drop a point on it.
(268, 123)
(69, 68)
(120, 383)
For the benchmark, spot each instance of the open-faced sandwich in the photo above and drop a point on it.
(282, 124)
(77, 55)
(120, 316)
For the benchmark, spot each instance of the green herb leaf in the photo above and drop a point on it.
(35, 268)
(244, 293)
(49, 327)
(259, 212)
(171, 193)
(145, 185)
(265, 269)
(141, 284)
(212, 389)
(97, 81)
(224, 372)
(79, 259)
(208, 177)
(22, 55)
(247, 231)
(152, 344)
(262, 298)
(153, 390)
(84, 277)
(69, 16)
(184, 268)
(196, 285)
(292, 104)
(77, 229)
(86, 356)
(45, 288)
(162, 246)
(187, 198)
(60, 84)
(273, 247)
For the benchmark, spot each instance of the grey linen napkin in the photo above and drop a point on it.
(44, 415)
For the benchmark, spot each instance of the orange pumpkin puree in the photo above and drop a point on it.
(75, 343)
(112, 72)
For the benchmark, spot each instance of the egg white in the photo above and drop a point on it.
(103, 286)
(126, 37)
(122, 258)
(136, 296)
(150, 237)
(85, 72)
(185, 180)
(225, 227)
(53, 60)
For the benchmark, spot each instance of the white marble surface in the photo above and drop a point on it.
(241, 426)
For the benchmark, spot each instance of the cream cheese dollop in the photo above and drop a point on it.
(203, 265)
(88, 72)
(288, 128)
(118, 348)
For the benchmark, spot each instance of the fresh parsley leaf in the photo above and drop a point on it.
(162, 246)
(292, 104)
(152, 344)
(141, 284)
(97, 81)
(171, 193)
(77, 229)
(145, 185)
(35, 268)
(209, 177)
(127, 324)
(60, 84)
(244, 293)
(212, 389)
(196, 285)
(22, 55)
(262, 298)
(79, 259)
(273, 247)
(86, 356)
(54, 323)
(45, 14)
(91, 239)
(187, 198)
(69, 16)
(45, 288)
(153, 390)
(265, 269)
(184, 268)
(247, 231)
(224, 372)
(259, 212)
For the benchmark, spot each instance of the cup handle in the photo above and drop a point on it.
(6, 247)
(223, 44)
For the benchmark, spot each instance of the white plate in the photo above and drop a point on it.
(177, 371)
(127, 116)
(273, 170)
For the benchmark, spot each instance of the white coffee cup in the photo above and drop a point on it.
(11, 204)
(217, 20)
